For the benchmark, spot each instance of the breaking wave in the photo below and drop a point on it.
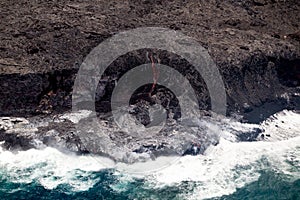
(222, 170)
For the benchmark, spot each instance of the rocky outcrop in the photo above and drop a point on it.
(64, 133)
(255, 44)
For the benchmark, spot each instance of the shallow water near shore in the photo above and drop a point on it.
(267, 169)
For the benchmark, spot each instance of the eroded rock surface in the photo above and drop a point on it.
(255, 44)
(65, 133)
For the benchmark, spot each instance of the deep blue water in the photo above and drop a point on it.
(269, 186)
(262, 170)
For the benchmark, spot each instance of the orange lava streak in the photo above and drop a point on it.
(155, 75)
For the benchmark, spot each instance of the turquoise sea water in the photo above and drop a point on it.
(270, 185)
(231, 170)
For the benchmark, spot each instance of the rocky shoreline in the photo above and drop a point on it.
(63, 133)
(255, 45)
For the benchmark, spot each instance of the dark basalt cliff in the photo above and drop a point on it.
(255, 44)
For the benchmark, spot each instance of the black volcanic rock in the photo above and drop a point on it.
(64, 133)
(43, 44)
(254, 43)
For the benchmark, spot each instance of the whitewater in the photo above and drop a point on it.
(222, 170)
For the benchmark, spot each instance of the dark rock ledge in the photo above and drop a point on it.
(42, 44)
(62, 132)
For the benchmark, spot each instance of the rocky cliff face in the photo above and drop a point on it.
(255, 44)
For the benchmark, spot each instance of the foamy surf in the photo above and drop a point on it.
(220, 171)
(51, 168)
(231, 165)
(282, 126)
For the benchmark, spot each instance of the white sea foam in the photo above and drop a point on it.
(282, 126)
(75, 117)
(223, 168)
(231, 165)
(51, 167)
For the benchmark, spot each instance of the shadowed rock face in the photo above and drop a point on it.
(43, 43)
(255, 45)
(64, 133)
